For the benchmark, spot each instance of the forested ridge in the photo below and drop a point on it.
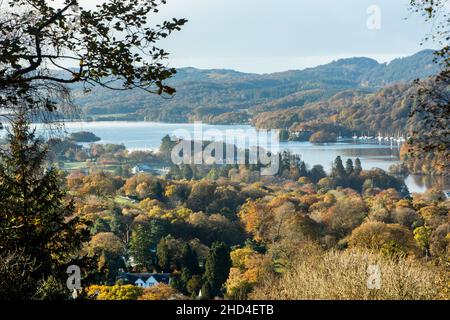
(353, 111)
(227, 96)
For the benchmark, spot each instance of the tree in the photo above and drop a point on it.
(112, 46)
(143, 242)
(100, 184)
(303, 172)
(110, 251)
(349, 167)
(391, 239)
(189, 260)
(316, 173)
(346, 214)
(338, 170)
(116, 292)
(422, 236)
(35, 216)
(163, 254)
(143, 185)
(161, 291)
(323, 137)
(13, 263)
(433, 93)
(201, 195)
(358, 167)
(167, 145)
(194, 285)
(217, 268)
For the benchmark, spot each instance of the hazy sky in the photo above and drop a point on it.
(275, 35)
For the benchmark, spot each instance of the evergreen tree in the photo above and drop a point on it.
(303, 172)
(163, 254)
(167, 145)
(349, 167)
(338, 170)
(35, 216)
(143, 242)
(190, 260)
(217, 268)
(316, 173)
(358, 167)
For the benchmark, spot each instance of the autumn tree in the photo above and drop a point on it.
(161, 291)
(392, 240)
(110, 253)
(247, 268)
(116, 292)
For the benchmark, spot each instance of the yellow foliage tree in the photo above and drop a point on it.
(116, 292)
(161, 291)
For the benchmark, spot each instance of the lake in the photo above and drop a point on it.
(148, 135)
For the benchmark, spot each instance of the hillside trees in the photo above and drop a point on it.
(36, 218)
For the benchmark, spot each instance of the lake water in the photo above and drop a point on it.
(148, 135)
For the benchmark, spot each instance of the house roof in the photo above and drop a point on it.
(133, 277)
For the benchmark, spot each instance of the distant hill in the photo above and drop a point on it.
(385, 111)
(227, 96)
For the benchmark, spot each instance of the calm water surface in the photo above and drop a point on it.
(148, 135)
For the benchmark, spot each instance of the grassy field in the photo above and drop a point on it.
(124, 201)
(70, 166)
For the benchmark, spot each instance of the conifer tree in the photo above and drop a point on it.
(303, 172)
(217, 268)
(349, 167)
(35, 215)
(358, 167)
(338, 168)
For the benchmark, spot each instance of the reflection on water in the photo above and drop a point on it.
(420, 184)
(148, 135)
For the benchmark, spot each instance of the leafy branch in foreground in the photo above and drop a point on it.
(434, 93)
(112, 46)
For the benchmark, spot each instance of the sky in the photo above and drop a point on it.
(264, 36)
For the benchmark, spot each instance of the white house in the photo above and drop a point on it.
(141, 169)
(145, 280)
